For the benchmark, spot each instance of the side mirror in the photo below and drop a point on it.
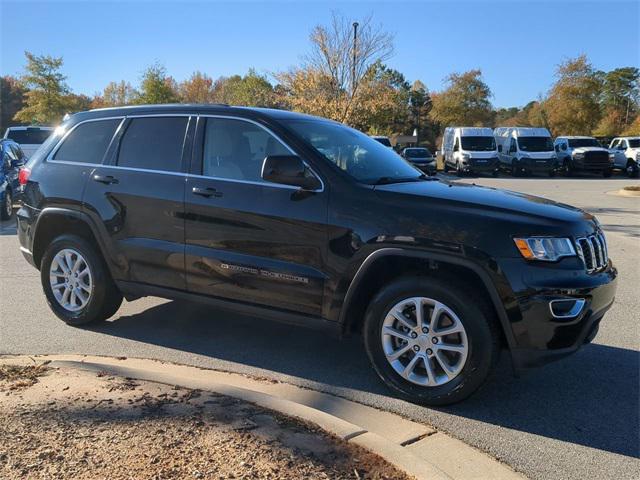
(289, 170)
(500, 148)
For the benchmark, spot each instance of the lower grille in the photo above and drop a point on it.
(593, 252)
(596, 159)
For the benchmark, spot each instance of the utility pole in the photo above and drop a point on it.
(353, 67)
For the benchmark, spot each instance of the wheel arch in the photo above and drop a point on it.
(362, 288)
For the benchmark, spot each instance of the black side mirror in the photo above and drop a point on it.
(500, 148)
(289, 170)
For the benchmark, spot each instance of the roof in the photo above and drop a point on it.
(195, 108)
(522, 131)
(575, 137)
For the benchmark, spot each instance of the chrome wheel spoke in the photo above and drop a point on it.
(435, 315)
(431, 375)
(398, 353)
(408, 370)
(444, 364)
(419, 312)
(399, 315)
(396, 333)
(455, 328)
(451, 348)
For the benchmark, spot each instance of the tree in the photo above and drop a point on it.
(117, 94)
(465, 102)
(620, 100)
(46, 100)
(197, 89)
(334, 70)
(156, 86)
(573, 105)
(12, 98)
(251, 90)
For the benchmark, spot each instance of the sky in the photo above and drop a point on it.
(517, 44)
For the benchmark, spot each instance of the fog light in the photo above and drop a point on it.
(566, 308)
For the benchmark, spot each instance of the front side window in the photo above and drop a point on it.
(153, 143)
(236, 149)
(359, 155)
(535, 144)
(478, 144)
(88, 142)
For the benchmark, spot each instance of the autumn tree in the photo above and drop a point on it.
(12, 98)
(465, 101)
(620, 100)
(197, 89)
(156, 86)
(117, 94)
(252, 89)
(573, 103)
(46, 100)
(329, 81)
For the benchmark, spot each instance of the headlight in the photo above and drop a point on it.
(547, 249)
(579, 155)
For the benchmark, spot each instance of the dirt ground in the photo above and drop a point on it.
(72, 424)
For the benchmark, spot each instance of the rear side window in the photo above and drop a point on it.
(88, 142)
(153, 143)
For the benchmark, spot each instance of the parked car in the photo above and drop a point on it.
(383, 140)
(626, 154)
(12, 158)
(421, 158)
(283, 215)
(526, 150)
(583, 154)
(29, 138)
(469, 150)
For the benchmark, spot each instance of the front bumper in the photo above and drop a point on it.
(538, 336)
(537, 166)
(489, 165)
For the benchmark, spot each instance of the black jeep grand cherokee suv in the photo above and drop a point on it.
(303, 219)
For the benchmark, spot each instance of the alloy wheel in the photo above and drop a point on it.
(71, 280)
(424, 341)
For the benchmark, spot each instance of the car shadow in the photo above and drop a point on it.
(590, 398)
(8, 227)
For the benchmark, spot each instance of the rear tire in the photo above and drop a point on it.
(7, 206)
(481, 338)
(78, 300)
(607, 173)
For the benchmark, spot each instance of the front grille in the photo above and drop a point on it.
(596, 159)
(593, 252)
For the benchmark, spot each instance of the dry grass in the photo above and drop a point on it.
(632, 188)
(14, 377)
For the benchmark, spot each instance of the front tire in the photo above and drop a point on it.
(77, 283)
(411, 352)
(631, 169)
(7, 206)
(607, 173)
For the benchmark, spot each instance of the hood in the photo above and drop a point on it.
(589, 149)
(540, 155)
(490, 202)
(482, 155)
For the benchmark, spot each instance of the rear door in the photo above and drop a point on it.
(138, 196)
(246, 239)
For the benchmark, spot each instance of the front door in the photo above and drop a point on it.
(246, 239)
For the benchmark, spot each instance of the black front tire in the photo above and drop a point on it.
(482, 334)
(7, 206)
(105, 298)
(607, 173)
(632, 169)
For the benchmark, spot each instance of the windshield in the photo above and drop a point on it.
(478, 144)
(583, 142)
(634, 142)
(535, 144)
(417, 153)
(30, 136)
(384, 141)
(359, 155)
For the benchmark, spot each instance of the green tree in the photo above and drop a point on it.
(573, 103)
(117, 94)
(465, 102)
(46, 100)
(620, 100)
(12, 100)
(156, 86)
(251, 90)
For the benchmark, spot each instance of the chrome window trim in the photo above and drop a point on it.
(282, 142)
(49, 157)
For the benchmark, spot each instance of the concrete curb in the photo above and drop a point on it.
(416, 449)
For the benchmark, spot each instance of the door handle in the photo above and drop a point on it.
(206, 192)
(106, 179)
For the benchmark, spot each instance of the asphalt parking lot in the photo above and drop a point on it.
(574, 419)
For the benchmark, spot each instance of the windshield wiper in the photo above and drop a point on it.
(390, 180)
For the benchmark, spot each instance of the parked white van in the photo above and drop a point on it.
(469, 150)
(526, 150)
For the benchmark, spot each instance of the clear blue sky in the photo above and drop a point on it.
(517, 44)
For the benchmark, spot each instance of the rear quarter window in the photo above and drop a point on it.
(88, 142)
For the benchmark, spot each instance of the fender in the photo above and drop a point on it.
(99, 235)
(438, 257)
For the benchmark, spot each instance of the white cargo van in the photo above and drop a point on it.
(526, 150)
(469, 150)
